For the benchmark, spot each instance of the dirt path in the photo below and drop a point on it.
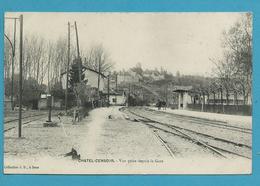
(118, 137)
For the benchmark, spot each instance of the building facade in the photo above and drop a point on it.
(117, 99)
(94, 79)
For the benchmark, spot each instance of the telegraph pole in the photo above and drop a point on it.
(67, 71)
(77, 38)
(166, 94)
(99, 69)
(108, 91)
(128, 99)
(116, 81)
(20, 77)
(12, 91)
(116, 88)
(12, 97)
(79, 59)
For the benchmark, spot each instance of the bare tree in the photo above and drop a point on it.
(234, 70)
(34, 58)
(7, 59)
(97, 58)
(238, 42)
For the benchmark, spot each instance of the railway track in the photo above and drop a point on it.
(217, 132)
(164, 143)
(217, 145)
(30, 116)
(202, 121)
(13, 123)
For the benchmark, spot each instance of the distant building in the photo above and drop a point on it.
(157, 77)
(43, 102)
(117, 98)
(183, 96)
(153, 76)
(186, 95)
(92, 77)
(128, 77)
(95, 86)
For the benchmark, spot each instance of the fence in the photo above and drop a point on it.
(245, 110)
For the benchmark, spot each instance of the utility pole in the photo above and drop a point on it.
(166, 95)
(20, 77)
(49, 98)
(108, 91)
(116, 88)
(99, 69)
(79, 59)
(221, 98)
(67, 71)
(13, 57)
(128, 99)
(77, 38)
(116, 81)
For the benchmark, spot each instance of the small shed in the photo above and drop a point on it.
(43, 102)
(183, 96)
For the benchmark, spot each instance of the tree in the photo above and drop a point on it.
(60, 58)
(7, 60)
(138, 69)
(225, 74)
(234, 70)
(77, 80)
(97, 58)
(57, 91)
(77, 68)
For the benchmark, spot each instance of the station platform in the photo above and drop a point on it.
(234, 120)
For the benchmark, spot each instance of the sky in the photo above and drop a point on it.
(176, 41)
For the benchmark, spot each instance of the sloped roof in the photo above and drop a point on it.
(64, 72)
(95, 71)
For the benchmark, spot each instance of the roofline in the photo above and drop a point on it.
(89, 70)
(95, 71)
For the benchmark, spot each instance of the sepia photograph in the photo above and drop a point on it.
(127, 93)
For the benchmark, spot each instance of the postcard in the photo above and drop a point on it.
(128, 93)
